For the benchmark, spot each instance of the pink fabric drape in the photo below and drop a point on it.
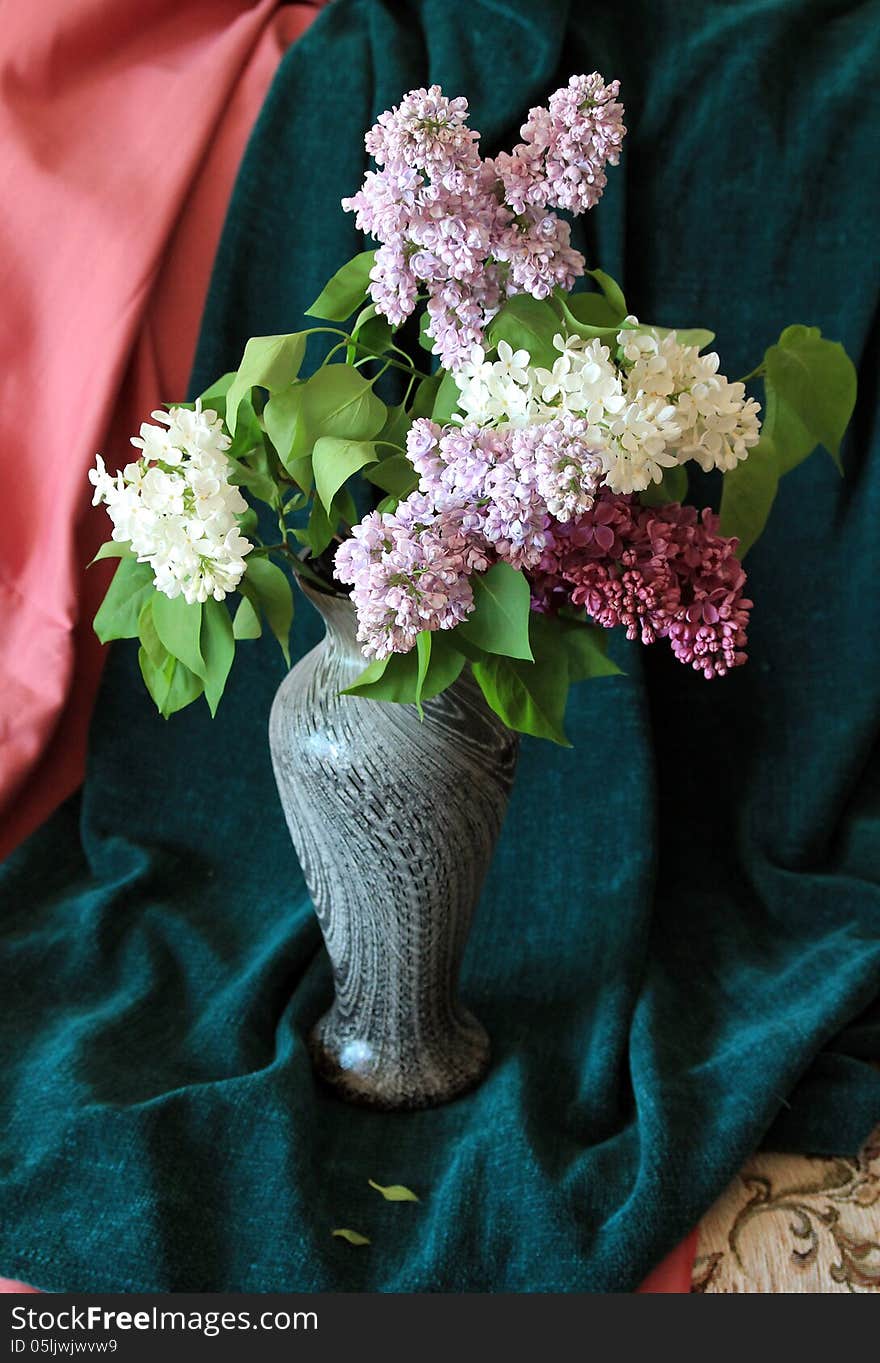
(121, 131)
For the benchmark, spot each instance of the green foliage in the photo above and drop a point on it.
(397, 677)
(499, 622)
(394, 1192)
(531, 697)
(336, 401)
(113, 549)
(169, 681)
(345, 291)
(599, 314)
(246, 621)
(748, 494)
(322, 524)
(372, 330)
(131, 588)
(697, 336)
(269, 592)
(810, 393)
(394, 475)
(528, 697)
(217, 646)
(426, 396)
(446, 399)
(353, 1237)
(270, 362)
(335, 459)
(179, 627)
(814, 386)
(525, 323)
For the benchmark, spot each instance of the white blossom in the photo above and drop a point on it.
(655, 405)
(176, 507)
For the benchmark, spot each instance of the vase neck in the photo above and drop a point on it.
(340, 619)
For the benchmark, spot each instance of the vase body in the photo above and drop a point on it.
(394, 820)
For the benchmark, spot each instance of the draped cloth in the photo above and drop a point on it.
(677, 954)
(121, 130)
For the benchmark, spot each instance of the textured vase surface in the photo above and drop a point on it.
(394, 820)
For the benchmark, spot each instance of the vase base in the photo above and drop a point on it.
(356, 1075)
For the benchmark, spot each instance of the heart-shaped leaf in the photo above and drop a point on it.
(499, 621)
(346, 290)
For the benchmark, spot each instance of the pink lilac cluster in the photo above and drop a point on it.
(661, 573)
(447, 226)
(509, 481)
(410, 571)
(485, 493)
(561, 161)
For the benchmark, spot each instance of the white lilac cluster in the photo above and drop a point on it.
(660, 404)
(449, 226)
(176, 507)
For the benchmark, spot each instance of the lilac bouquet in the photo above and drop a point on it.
(501, 511)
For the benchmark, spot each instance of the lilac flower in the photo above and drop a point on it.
(661, 573)
(561, 161)
(409, 571)
(469, 232)
(426, 131)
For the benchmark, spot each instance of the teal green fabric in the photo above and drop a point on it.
(678, 954)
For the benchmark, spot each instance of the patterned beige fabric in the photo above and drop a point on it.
(793, 1224)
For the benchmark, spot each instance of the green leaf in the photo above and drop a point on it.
(170, 683)
(394, 1192)
(396, 427)
(373, 330)
(814, 385)
(260, 485)
(499, 622)
(338, 400)
(528, 697)
(423, 661)
(810, 392)
(426, 395)
(748, 493)
(217, 645)
(218, 389)
(335, 459)
(395, 475)
(426, 341)
(673, 487)
(346, 290)
(696, 336)
(246, 621)
(353, 1237)
(611, 292)
(526, 323)
(268, 587)
(117, 616)
(396, 678)
(586, 648)
(179, 626)
(282, 416)
(446, 399)
(270, 362)
(156, 650)
(172, 686)
(114, 549)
